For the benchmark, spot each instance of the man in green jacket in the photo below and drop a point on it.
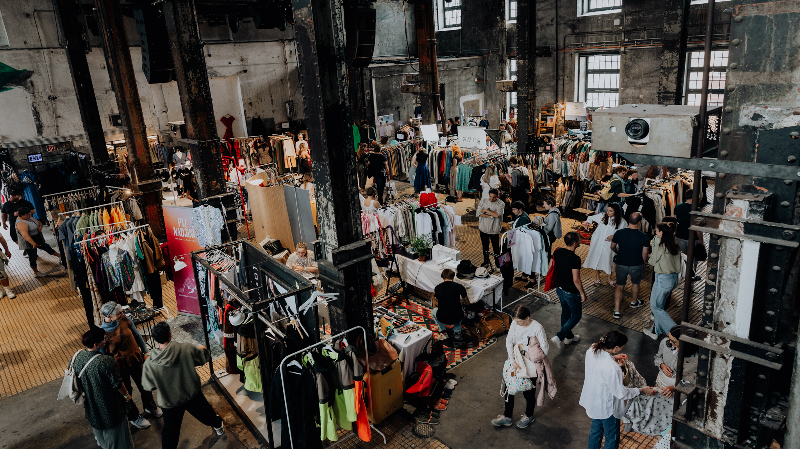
(170, 369)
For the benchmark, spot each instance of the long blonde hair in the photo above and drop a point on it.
(487, 175)
(457, 151)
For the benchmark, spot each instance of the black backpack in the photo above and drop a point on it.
(523, 180)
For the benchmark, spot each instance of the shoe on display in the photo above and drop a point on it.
(10, 293)
(650, 334)
(637, 304)
(432, 420)
(220, 430)
(502, 421)
(525, 421)
(440, 407)
(617, 315)
(40, 274)
(2, 293)
(155, 412)
(696, 278)
(557, 341)
(575, 338)
(451, 384)
(141, 422)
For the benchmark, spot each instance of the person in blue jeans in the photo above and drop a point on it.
(604, 396)
(570, 289)
(666, 262)
(451, 297)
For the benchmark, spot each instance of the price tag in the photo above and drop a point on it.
(35, 157)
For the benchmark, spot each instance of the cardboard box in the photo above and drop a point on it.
(386, 390)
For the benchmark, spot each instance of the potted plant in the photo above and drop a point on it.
(422, 246)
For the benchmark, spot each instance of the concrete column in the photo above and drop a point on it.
(428, 69)
(673, 52)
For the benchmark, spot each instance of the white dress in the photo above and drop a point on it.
(600, 256)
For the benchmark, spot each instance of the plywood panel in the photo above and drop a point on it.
(269, 212)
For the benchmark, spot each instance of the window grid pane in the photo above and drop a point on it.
(716, 78)
(512, 10)
(602, 5)
(602, 81)
(452, 14)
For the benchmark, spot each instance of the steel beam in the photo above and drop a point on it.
(782, 172)
(123, 80)
(528, 113)
(195, 93)
(428, 68)
(673, 51)
(320, 38)
(68, 13)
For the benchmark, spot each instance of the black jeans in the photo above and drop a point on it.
(380, 185)
(485, 239)
(530, 402)
(135, 372)
(198, 407)
(32, 252)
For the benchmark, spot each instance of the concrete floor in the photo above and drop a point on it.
(35, 419)
(560, 423)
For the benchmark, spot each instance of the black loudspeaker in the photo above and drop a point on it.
(359, 25)
(157, 63)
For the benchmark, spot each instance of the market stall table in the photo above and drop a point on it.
(428, 275)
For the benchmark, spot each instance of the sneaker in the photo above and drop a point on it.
(432, 420)
(40, 274)
(155, 412)
(2, 293)
(10, 293)
(617, 315)
(220, 430)
(524, 421)
(502, 421)
(696, 278)
(637, 304)
(557, 341)
(451, 383)
(440, 406)
(575, 338)
(141, 422)
(650, 334)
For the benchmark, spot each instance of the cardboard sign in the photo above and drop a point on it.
(430, 133)
(575, 111)
(471, 137)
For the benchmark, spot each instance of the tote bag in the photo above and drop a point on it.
(514, 384)
(70, 386)
(550, 280)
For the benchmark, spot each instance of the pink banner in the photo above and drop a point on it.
(182, 241)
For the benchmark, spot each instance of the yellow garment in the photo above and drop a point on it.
(106, 221)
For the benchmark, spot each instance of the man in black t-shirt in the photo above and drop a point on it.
(378, 168)
(570, 289)
(451, 297)
(632, 247)
(9, 212)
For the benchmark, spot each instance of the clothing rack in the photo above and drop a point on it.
(530, 291)
(112, 233)
(322, 343)
(67, 192)
(92, 207)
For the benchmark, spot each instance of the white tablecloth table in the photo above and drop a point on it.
(429, 274)
(409, 347)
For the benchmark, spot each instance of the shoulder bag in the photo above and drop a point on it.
(550, 281)
(71, 386)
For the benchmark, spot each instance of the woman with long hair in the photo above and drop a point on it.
(422, 179)
(604, 395)
(665, 259)
(370, 204)
(361, 164)
(304, 160)
(457, 158)
(600, 257)
(523, 327)
(489, 181)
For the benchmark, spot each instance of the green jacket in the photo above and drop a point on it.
(522, 220)
(172, 372)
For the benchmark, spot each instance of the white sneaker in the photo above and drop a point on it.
(575, 338)
(155, 412)
(220, 430)
(650, 334)
(40, 274)
(557, 341)
(2, 293)
(10, 293)
(141, 422)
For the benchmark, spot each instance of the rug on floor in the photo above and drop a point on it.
(418, 313)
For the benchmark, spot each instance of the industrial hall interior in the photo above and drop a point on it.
(430, 224)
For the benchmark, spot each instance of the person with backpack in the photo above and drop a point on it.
(552, 222)
(520, 182)
(106, 395)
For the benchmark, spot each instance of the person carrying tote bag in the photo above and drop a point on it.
(515, 375)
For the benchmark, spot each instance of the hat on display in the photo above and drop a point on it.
(236, 317)
(481, 272)
(465, 270)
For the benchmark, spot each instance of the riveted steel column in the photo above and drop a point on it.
(195, 93)
(123, 80)
(428, 69)
(673, 51)
(528, 114)
(68, 13)
(320, 38)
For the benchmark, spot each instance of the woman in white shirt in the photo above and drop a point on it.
(600, 257)
(370, 204)
(604, 396)
(522, 328)
(308, 185)
(489, 180)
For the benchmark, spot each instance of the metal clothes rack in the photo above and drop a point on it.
(99, 206)
(68, 192)
(321, 343)
(108, 234)
(529, 291)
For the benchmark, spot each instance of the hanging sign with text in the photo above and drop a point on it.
(471, 137)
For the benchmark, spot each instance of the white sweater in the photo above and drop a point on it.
(518, 335)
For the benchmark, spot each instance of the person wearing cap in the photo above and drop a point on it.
(125, 344)
(451, 297)
(29, 237)
(171, 369)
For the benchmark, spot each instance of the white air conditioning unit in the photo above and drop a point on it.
(656, 130)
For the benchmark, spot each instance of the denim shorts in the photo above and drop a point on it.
(634, 272)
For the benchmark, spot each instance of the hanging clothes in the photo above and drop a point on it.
(208, 223)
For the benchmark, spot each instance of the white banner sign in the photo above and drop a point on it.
(430, 133)
(471, 137)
